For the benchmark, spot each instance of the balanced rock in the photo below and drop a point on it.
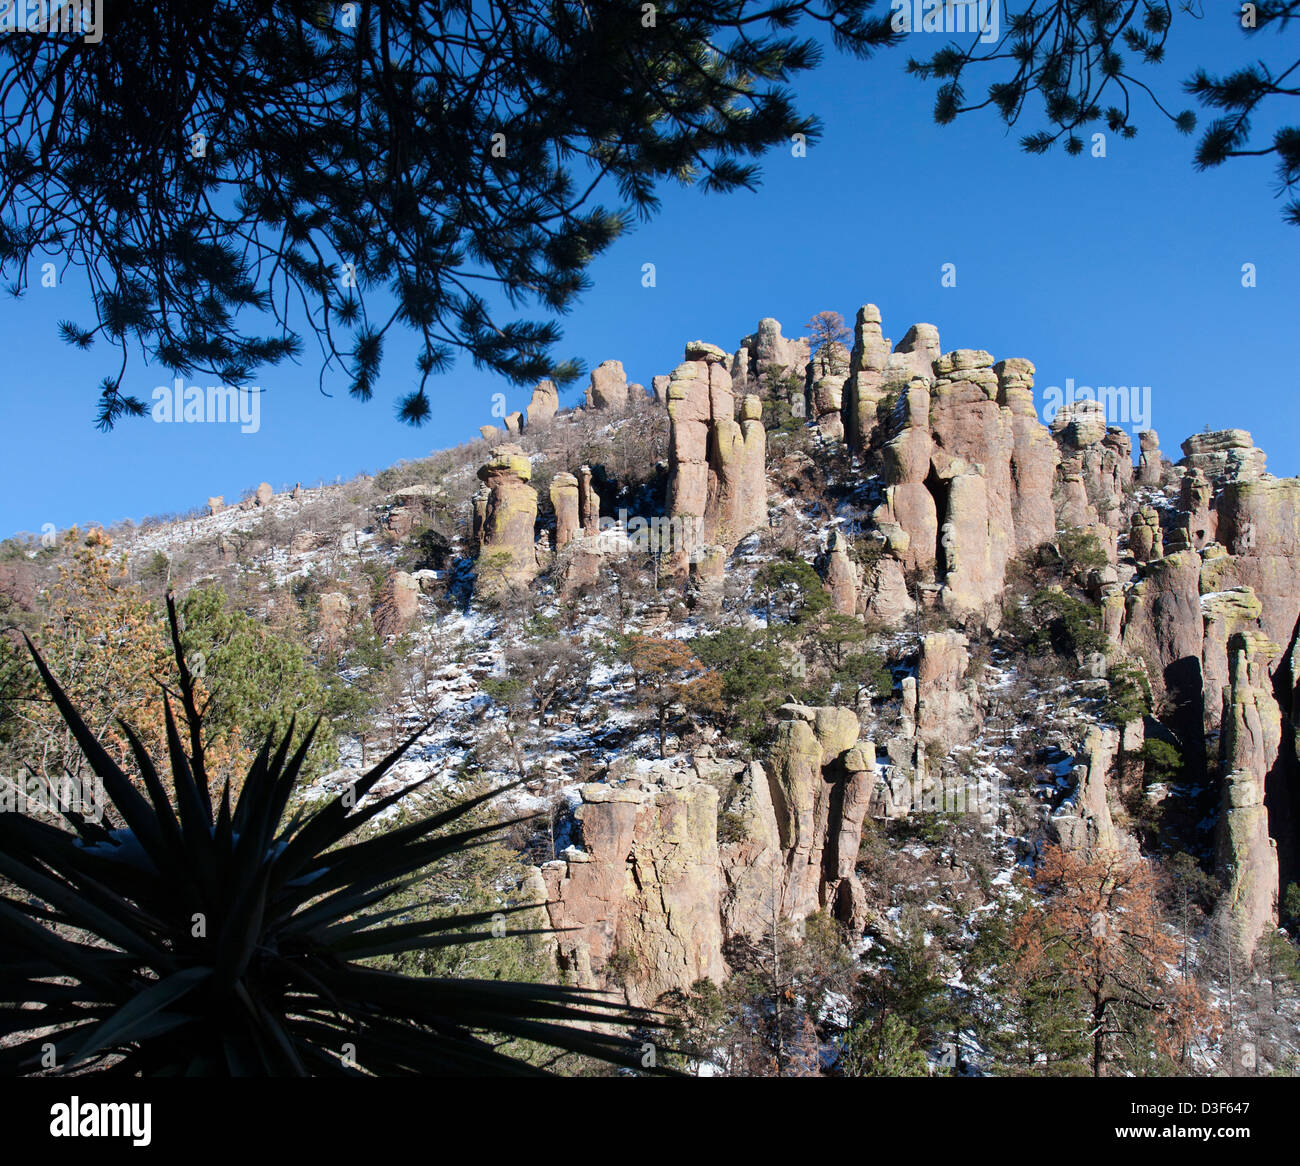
(1150, 463)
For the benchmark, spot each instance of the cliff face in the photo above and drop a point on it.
(1198, 583)
(655, 886)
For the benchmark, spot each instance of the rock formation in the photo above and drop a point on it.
(335, 618)
(1084, 823)
(767, 351)
(1224, 455)
(947, 704)
(1145, 542)
(864, 388)
(827, 374)
(545, 404)
(960, 477)
(608, 387)
(1150, 463)
(842, 575)
(564, 498)
(670, 864)
(644, 885)
(716, 464)
(1246, 856)
(505, 514)
(588, 503)
(398, 604)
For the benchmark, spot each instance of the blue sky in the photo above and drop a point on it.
(1123, 270)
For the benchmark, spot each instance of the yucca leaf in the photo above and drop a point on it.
(78, 910)
(129, 1022)
(168, 826)
(331, 823)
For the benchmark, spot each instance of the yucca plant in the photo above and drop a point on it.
(219, 940)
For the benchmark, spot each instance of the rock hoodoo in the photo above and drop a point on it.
(505, 513)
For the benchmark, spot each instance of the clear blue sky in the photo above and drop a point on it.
(1122, 270)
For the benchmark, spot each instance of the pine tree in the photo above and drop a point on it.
(430, 167)
(1099, 936)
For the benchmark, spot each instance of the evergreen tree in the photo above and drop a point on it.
(341, 170)
(1082, 65)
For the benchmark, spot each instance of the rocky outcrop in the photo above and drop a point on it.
(865, 387)
(216, 505)
(588, 504)
(767, 351)
(544, 405)
(716, 464)
(399, 601)
(968, 468)
(819, 786)
(335, 618)
(1096, 467)
(842, 575)
(409, 507)
(669, 865)
(1259, 526)
(1223, 455)
(1224, 614)
(1150, 469)
(1163, 626)
(643, 886)
(947, 710)
(564, 500)
(1246, 856)
(1145, 541)
(827, 373)
(909, 518)
(1034, 457)
(263, 494)
(505, 514)
(1084, 822)
(608, 387)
